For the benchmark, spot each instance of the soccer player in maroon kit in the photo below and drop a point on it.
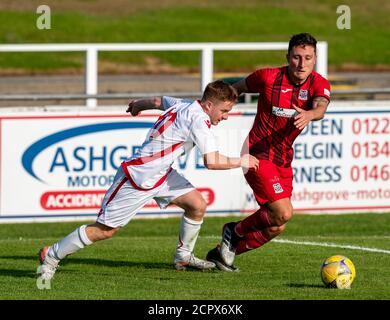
(290, 97)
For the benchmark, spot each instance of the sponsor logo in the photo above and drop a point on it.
(71, 200)
(35, 149)
(302, 95)
(83, 158)
(286, 90)
(283, 112)
(277, 188)
(92, 199)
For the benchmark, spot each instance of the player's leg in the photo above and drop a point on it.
(179, 191)
(120, 204)
(272, 187)
(256, 230)
(279, 213)
(256, 239)
(97, 231)
(83, 236)
(194, 207)
(272, 214)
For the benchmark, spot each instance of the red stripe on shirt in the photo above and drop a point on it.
(142, 160)
(158, 155)
(171, 117)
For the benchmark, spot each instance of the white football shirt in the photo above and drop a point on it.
(183, 125)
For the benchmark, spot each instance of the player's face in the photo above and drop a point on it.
(301, 61)
(219, 110)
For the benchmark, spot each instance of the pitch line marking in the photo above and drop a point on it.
(306, 243)
(323, 244)
(332, 245)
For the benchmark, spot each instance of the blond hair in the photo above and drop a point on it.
(221, 91)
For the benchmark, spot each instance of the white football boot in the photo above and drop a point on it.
(193, 262)
(48, 265)
(228, 244)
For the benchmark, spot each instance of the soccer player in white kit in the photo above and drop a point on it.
(149, 175)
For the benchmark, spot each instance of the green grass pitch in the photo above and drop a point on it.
(137, 263)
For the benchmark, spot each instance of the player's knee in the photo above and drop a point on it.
(286, 216)
(202, 206)
(111, 232)
(283, 216)
(107, 232)
(197, 209)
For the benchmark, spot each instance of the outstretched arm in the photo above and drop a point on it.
(136, 106)
(217, 161)
(320, 104)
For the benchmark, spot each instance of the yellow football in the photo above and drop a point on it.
(338, 272)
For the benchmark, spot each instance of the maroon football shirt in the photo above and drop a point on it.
(273, 132)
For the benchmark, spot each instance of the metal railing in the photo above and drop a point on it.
(132, 95)
(103, 96)
(206, 62)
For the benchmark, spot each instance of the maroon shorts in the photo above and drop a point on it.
(270, 182)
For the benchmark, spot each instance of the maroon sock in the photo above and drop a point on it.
(252, 241)
(257, 221)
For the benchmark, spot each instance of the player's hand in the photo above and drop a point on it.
(132, 108)
(303, 118)
(249, 162)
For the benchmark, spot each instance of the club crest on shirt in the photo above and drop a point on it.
(277, 188)
(302, 95)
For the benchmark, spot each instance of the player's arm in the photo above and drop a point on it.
(320, 105)
(136, 106)
(241, 86)
(254, 82)
(217, 161)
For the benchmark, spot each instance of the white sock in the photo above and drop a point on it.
(189, 231)
(72, 243)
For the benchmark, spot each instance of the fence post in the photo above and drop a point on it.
(206, 67)
(91, 75)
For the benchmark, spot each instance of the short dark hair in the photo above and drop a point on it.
(220, 90)
(302, 39)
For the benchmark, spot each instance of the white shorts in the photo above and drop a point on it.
(121, 202)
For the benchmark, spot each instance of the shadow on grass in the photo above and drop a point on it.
(114, 263)
(17, 273)
(304, 285)
(96, 262)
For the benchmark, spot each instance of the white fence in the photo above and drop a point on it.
(206, 61)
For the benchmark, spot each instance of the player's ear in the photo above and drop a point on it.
(287, 57)
(209, 105)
